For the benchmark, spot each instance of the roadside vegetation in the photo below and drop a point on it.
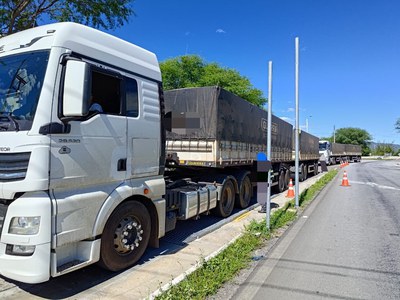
(385, 149)
(212, 274)
(193, 71)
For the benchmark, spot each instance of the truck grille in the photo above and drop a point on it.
(13, 166)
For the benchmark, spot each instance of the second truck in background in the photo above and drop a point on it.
(334, 153)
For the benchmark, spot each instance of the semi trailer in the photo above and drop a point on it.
(224, 136)
(334, 153)
(79, 187)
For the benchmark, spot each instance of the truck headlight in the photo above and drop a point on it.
(24, 225)
(20, 250)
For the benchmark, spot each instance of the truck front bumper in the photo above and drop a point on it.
(32, 266)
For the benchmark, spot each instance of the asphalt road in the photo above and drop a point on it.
(345, 246)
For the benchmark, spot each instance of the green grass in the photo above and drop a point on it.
(212, 274)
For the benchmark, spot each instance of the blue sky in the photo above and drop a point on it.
(349, 58)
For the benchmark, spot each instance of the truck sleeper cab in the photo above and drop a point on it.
(77, 187)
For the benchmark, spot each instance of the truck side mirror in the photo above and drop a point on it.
(76, 89)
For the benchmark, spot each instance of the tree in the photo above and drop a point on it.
(17, 15)
(329, 139)
(397, 125)
(356, 136)
(383, 149)
(193, 71)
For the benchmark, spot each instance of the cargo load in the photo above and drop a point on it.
(213, 127)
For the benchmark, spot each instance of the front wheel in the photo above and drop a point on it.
(125, 236)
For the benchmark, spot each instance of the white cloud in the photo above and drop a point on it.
(290, 109)
(219, 30)
(289, 120)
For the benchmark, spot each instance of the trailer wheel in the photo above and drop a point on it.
(305, 172)
(245, 192)
(227, 200)
(125, 237)
(287, 179)
(281, 184)
(315, 169)
(302, 173)
(280, 187)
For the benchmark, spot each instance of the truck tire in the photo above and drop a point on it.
(280, 186)
(305, 172)
(301, 173)
(125, 236)
(227, 200)
(287, 179)
(281, 183)
(245, 192)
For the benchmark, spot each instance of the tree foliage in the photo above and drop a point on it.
(383, 149)
(17, 15)
(355, 136)
(193, 71)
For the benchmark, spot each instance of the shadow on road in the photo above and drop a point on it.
(78, 281)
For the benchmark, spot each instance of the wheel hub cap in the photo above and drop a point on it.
(128, 235)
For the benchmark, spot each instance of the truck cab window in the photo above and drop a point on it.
(105, 93)
(132, 102)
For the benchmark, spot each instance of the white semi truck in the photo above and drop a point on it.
(334, 153)
(79, 186)
(76, 186)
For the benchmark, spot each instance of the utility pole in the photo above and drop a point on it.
(268, 204)
(297, 123)
(334, 133)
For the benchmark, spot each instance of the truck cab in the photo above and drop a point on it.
(67, 173)
(325, 151)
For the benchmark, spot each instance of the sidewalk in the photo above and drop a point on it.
(170, 268)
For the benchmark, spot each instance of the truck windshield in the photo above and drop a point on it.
(21, 80)
(322, 146)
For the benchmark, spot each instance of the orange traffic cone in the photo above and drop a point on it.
(345, 181)
(290, 192)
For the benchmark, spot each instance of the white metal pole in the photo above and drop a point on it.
(268, 204)
(297, 123)
(334, 133)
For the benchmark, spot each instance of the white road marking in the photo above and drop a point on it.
(373, 184)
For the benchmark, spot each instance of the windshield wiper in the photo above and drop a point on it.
(10, 119)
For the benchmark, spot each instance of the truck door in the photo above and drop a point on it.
(89, 161)
(143, 117)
